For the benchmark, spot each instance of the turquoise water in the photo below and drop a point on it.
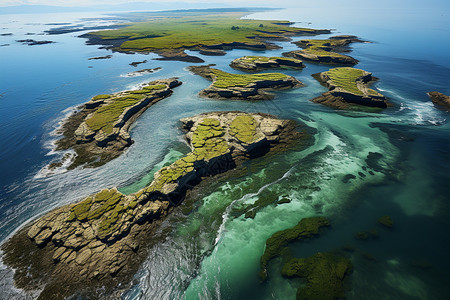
(211, 253)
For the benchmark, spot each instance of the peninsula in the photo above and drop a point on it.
(243, 87)
(349, 89)
(326, 51)
(98, 132)
(91, 247)
(169, 34)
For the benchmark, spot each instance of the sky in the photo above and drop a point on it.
(240, 3)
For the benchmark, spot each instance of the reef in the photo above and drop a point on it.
(325, 51)
(100, 57)
(89, 248)
(441, 100)
(243, 87)
(325, 275)
(31, 42)
(136, 63)
(386, 221)
(279, 241)
(259, 63)
(98, 132)
(349, 89)
(171, 33)
(142, 72)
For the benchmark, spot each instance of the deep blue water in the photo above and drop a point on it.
(409, 53)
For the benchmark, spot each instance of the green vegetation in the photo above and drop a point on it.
(244, 128)
(278, 242)
(105, 116)
(197, 29)
(322, 47)
(207, 143)
(386, 221)
(226, 80)
(266, 59)
(101, 97)
(346, 78)
(325, 275)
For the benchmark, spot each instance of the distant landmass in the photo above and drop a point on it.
(133, 6)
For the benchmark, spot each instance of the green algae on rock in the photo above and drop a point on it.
(258, 63)
(171, 33)
(349, 89)
(440, 100)
(325, 51)
(325, 275)
(98, 243)
(278, 242)
(98, 132)
(242, 86)
(386, 221)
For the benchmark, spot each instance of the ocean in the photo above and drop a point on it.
(210, 252)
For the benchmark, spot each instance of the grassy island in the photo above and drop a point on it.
(258, 63)
(97, 244)
(349, 89)
(98, 133)
(242, 86)
(325, 51)
(170, 33)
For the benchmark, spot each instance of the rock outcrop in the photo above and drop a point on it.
(98, 132)
(441, 100)
(98, 243)
(243, 87)
(325, 51)
(258, 63)
(349, 89)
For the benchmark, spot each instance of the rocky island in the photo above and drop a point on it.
(243, 87)
(440, 100)
(325, 51)
(90, 247)
(170, 34)
(349, 89)
(259, 63)
(98, 132)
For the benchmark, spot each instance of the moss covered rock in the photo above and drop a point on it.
(259, 63)
(98, 133)
(325, 275)
(306, 228)
(349, 89)
(325, 51)
(99, 241)
(242, 86)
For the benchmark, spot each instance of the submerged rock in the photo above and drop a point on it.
(349, 89)
(97, 244)
(325, 275)
(243, 87)
(277, 243)
(386, 221)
